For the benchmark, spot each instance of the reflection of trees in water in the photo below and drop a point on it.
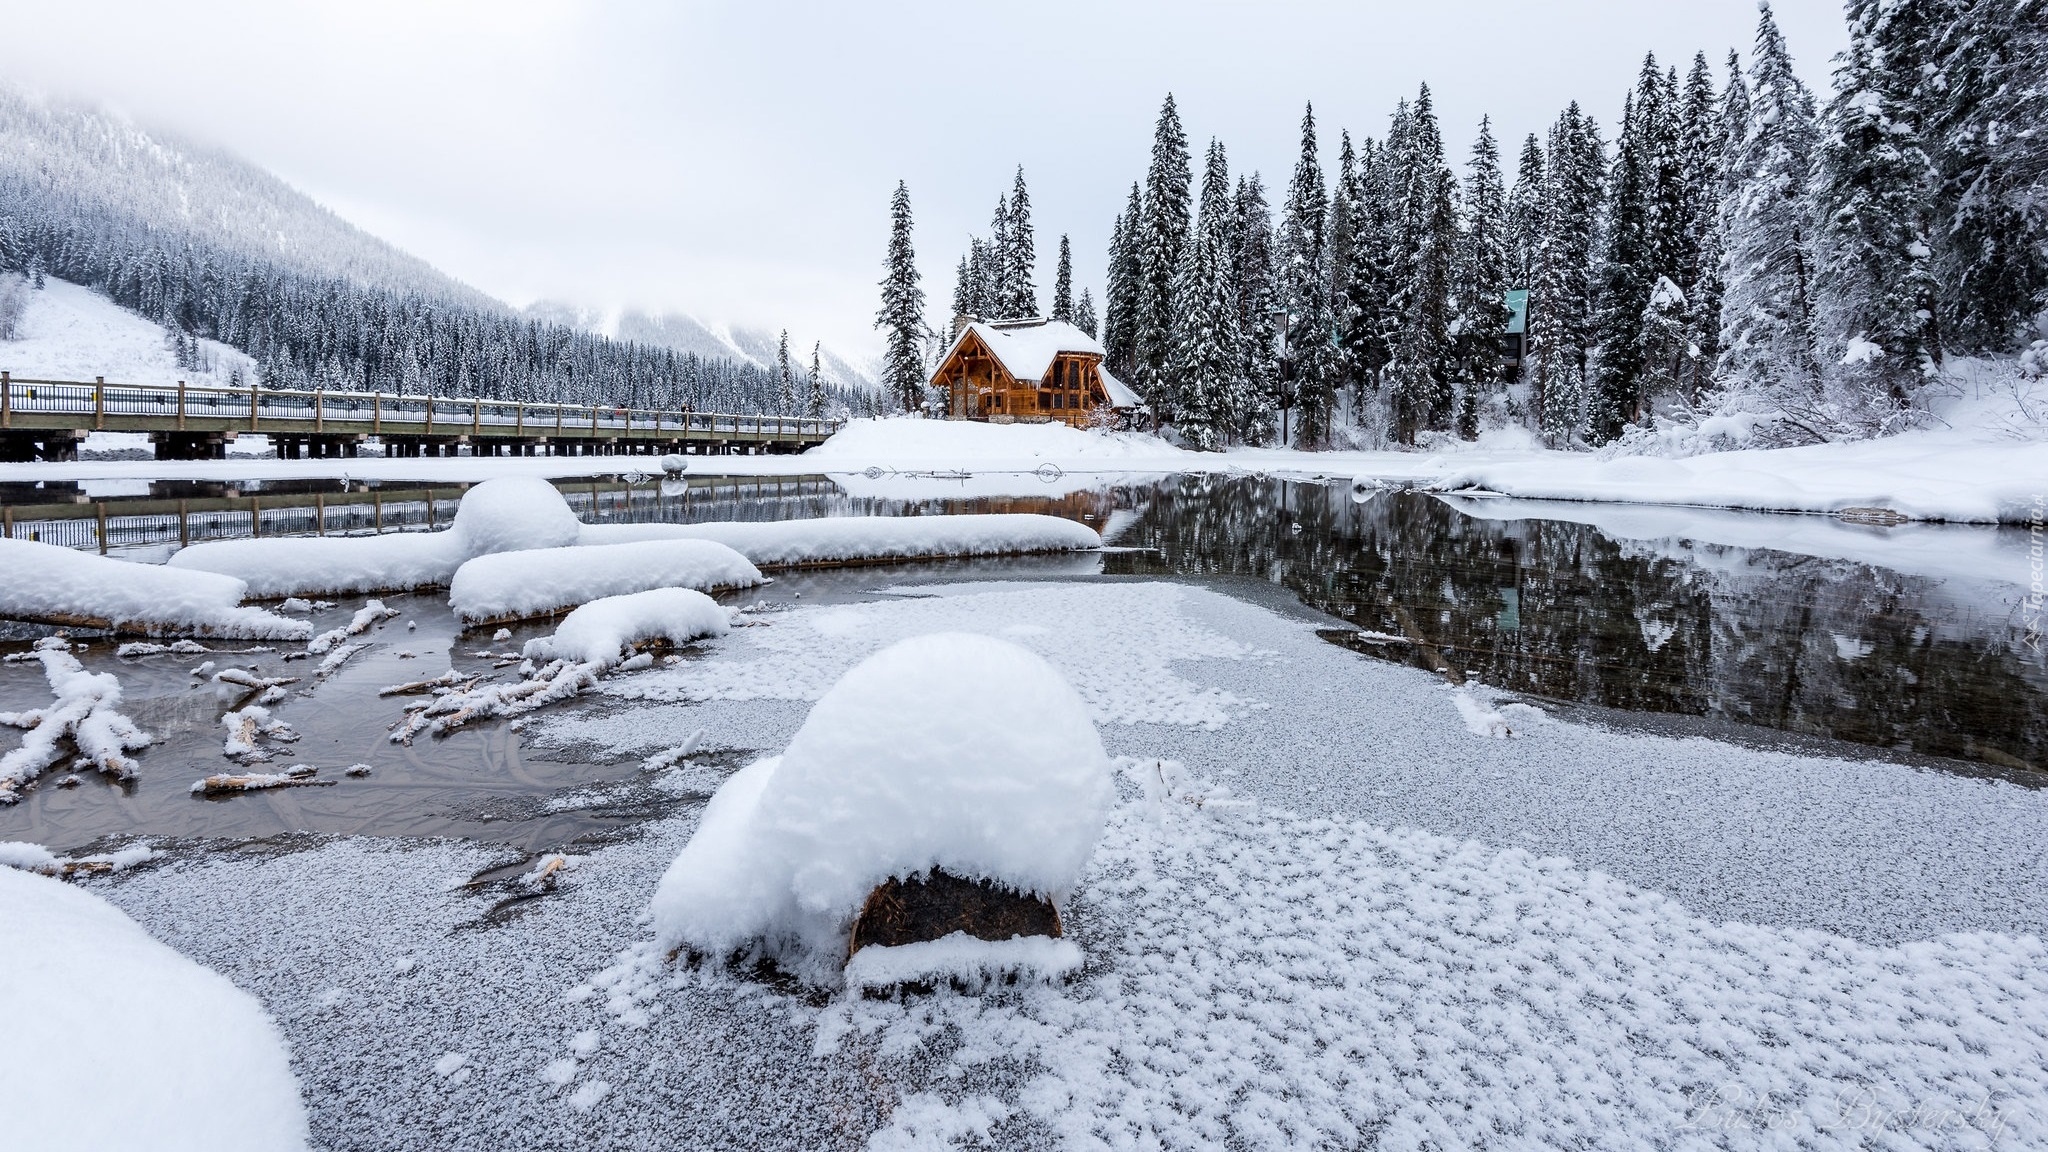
(1558, 609)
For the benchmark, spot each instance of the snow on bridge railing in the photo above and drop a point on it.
(291, 410)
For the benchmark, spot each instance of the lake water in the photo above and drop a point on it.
(1905, 641)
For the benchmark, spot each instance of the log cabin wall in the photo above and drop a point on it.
(979, 387)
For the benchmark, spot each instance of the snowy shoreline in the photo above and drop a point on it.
(1974, 472)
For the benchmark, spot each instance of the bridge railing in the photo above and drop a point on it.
(299, 411)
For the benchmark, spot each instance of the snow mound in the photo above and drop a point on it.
(56, 585)
(848, 539)
(1498, 723)
(603, 631)
(195, 1062)
(537, 582)
(1013, 791)
(505, 514)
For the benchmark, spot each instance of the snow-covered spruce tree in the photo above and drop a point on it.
(1163, 229)
(1124, 297)
(1346, 318)
(815, 397)
(1875, 296)
(1767, 322)
(1425, 260)
(901, 318)
(1703, 149)
(1480, 297)
(1628, 270)
(997, 261)
(1063, 284)
(1372, 283)
(1304, 292)
(1990, 132)
(785, 381)
(1525, 215)
(1561, 303)
(1020, 255)
(1084, 314)
(964, 303)
(1204, 363)
(1257, 295)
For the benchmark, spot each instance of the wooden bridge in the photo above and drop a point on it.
(47, 419)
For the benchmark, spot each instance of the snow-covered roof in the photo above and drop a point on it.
(1027, 348)
(1120, 396)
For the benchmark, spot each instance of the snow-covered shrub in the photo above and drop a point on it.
(13, 305)
(1007, 782)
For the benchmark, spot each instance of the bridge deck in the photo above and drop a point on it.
(48, 406)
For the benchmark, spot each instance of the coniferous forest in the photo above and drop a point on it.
(92, 200)
(1740, 260)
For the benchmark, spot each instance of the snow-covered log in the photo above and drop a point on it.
(558, 680)
(508, 586)
(370, 613)
(604, 631)
(52, 585)
(145, 1048)
(247, 727)
(869, 539)
(86, 713)
(296, 776)
(1013, 792)
(500, 515)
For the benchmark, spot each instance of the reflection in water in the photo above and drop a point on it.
(1522, 597)
(1559, 609)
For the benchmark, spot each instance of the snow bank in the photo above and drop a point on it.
(1013, 791)
(1926, 476)
(501, 515)
(603, 632)
(53, 585)
(538, 582)
(138, 1046)
(85, 714)
(861, 539)
(990, 446)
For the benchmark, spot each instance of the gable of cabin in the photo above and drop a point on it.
(981, 385)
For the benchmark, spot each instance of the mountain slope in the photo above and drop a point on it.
(202, 195)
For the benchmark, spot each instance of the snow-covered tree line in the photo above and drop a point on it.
(1737, 249)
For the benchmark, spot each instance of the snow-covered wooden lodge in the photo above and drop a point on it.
(1035, 370)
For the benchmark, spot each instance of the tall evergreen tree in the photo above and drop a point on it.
(999, 262)
(1084, 314)
(1302, 272)
(1484, 263)
(1767, 320)
(1205, 361)
(1125, 291)
(785, 381)
(1346, 269)
(814, 403)
(1258, 299)
(901, 318)
(1020, 255)
(1874, 281)
(1373, 288)
(1561, 307)
(1525, 215)
(1629, 266)
(1703, 148)
(964, 301)
(1063, 284)
(1163, 229)
(1991, 203)
(1425, 257)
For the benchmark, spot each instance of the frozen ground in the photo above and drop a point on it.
(1378, 941)
(71, 332)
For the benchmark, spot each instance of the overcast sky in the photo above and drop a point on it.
(735, 160)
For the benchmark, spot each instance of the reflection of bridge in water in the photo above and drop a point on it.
(177, 513)
(46, 420)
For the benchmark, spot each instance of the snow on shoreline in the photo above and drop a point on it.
(862, 539)
(505, 586)
(56, 585)
(1976, 472)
